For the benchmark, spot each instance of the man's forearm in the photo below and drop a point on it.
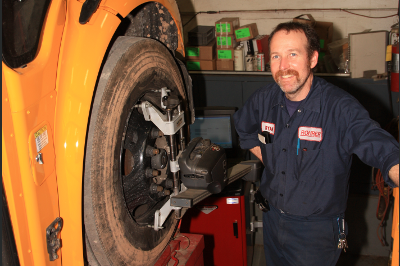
(394, 174)
(257, 152)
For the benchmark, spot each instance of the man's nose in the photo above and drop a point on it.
(284, 64)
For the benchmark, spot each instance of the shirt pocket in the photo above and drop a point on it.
(309, 165)
(268, 156)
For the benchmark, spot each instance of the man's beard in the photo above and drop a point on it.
(293, 72)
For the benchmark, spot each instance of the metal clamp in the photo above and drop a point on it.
(255, 224)
(152, 114)
(174, 166)
(162, 215)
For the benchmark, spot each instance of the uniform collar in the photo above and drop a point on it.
(312, 102)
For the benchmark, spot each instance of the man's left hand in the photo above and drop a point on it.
(394, 174)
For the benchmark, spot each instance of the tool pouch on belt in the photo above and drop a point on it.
(262, 203)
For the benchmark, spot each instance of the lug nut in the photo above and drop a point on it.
(148, 172)
(154, 188)
(160, 188)
(151, 172)
(151, 151)
(169, 183)
(164, 193)
(160, 160)
(155, 133)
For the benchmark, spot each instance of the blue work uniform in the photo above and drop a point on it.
(307, 162)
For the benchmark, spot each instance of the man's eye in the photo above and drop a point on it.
(293, 54)
(275, 57)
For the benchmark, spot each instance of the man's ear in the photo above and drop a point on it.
(314, 59)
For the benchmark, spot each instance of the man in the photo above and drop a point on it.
(305, 131)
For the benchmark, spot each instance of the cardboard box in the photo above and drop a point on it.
(201, 64)
(246, 32)
(225, 54)
(226, 26)
(201, 35)
(367, 57)
(227, 65)
(323, 29)
(206, 52)
(227, 41)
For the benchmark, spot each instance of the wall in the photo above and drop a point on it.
(343, 22)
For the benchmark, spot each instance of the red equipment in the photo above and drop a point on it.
(221, 219)
(394, 74)
(184, 249)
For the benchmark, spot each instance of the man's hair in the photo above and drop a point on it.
(311, 35)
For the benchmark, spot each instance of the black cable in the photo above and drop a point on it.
(287, 10)
(206, 12)
(367, 16)
(191, 18)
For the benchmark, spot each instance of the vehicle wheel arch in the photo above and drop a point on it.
(74, 177)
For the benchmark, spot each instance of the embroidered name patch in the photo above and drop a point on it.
(310, 133)
(269, 127)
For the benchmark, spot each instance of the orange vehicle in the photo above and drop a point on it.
(80, 181)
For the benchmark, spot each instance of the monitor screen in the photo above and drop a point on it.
(216, 123)
(216, 128)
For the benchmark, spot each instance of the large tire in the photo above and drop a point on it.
(115, 185)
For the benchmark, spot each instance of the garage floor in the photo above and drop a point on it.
(345, 259)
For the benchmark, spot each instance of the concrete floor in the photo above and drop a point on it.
(345, 259)
(361, 260)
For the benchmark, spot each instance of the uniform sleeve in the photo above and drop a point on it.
(246, 122)
(365, 138)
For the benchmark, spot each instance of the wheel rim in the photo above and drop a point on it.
(141, 196)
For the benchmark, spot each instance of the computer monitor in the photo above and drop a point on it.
(216, 123)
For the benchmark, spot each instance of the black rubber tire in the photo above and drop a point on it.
(133, 67)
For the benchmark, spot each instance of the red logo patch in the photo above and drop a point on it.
(310, 133)
(269, 127)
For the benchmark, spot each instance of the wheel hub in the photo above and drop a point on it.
(143, 165)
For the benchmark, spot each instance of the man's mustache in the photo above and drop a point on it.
(281, 73)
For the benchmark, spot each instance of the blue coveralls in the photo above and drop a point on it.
(307, 166)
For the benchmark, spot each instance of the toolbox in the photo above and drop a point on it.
(224, 220)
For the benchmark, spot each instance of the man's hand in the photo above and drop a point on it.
(257, 152)
(394, 174)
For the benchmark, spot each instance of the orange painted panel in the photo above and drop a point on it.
(55, 90)
(81, 54)
(12, 182)
(29, 94)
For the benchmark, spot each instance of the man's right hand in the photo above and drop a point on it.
(257, 152)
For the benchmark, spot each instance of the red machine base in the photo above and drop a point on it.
(185, 249)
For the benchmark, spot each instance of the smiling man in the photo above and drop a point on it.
(291, 64)
(305, 131)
